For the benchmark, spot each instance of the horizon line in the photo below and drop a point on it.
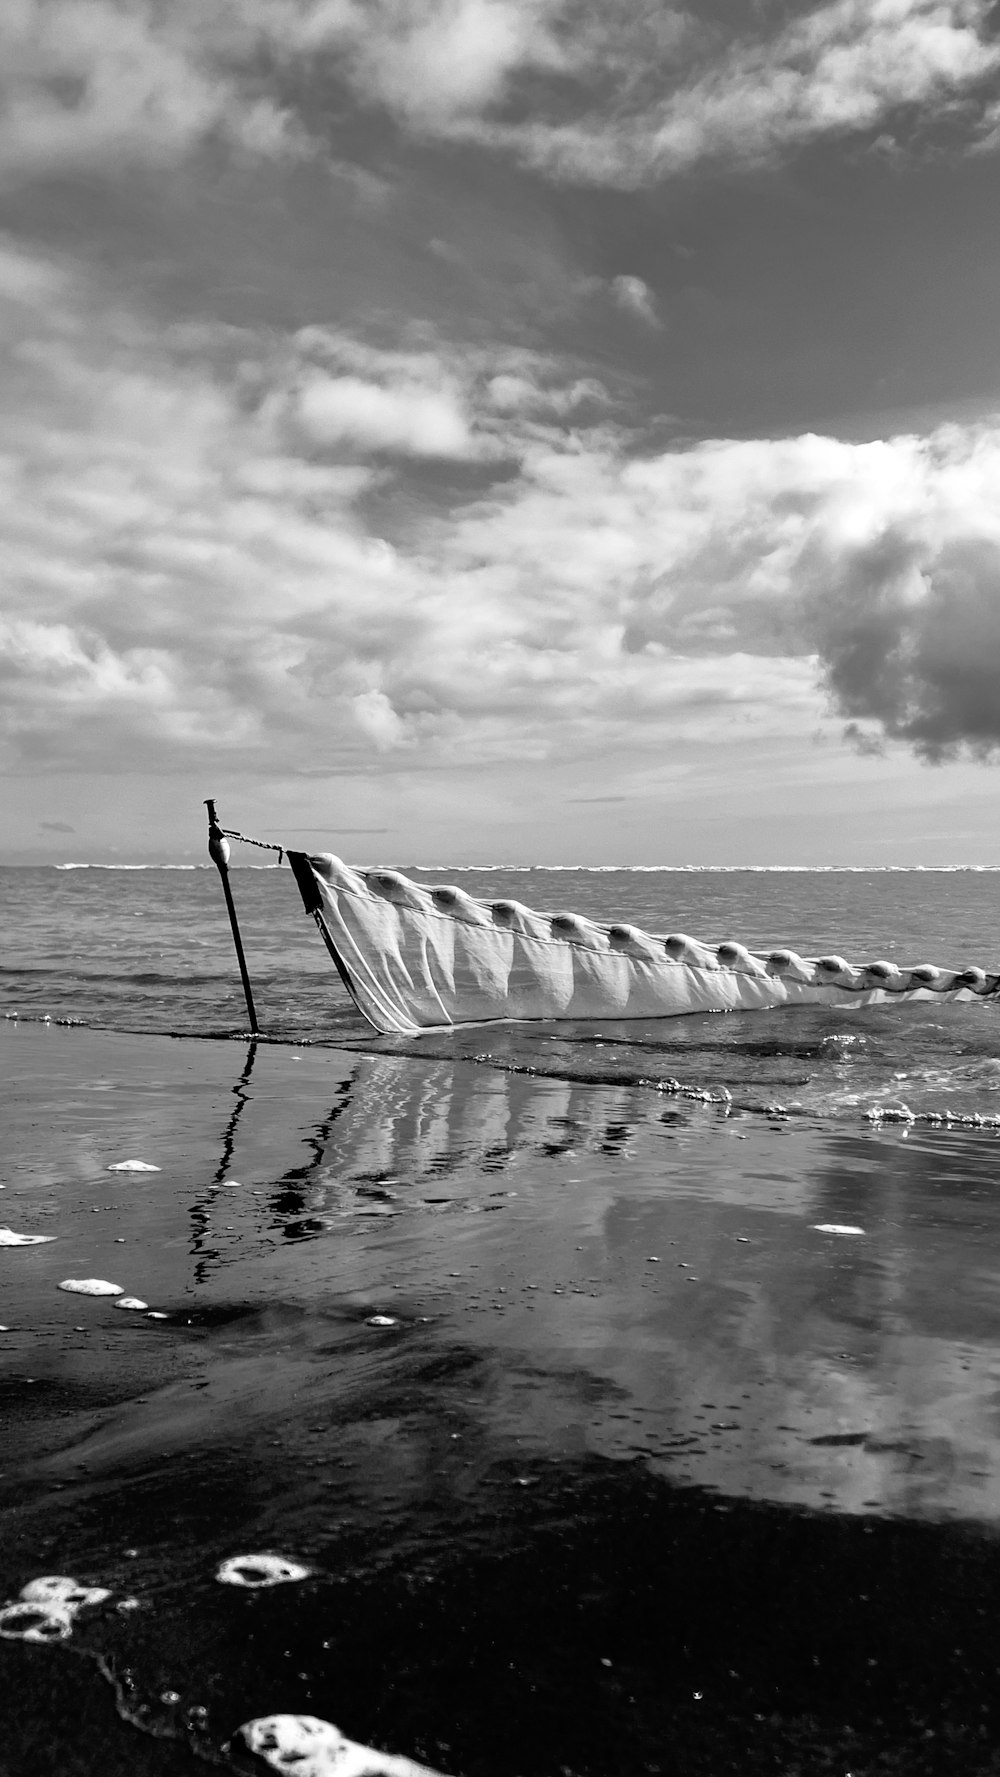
(526, 868)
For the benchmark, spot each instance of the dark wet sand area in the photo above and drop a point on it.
(650, 1470)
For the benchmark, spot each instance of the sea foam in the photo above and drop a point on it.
(309, 1747)
(256, 1571)
(90, 1286)
(46, 1609)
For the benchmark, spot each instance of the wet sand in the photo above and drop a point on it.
(650, 1471)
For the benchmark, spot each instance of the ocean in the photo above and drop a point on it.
(600, 1401)
(148, 949)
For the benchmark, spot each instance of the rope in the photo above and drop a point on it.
(244, 838)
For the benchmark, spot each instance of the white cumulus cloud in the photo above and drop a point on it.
(376, 717)
(419, 422)
(188, 578)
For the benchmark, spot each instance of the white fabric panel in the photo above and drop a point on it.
(420, 958)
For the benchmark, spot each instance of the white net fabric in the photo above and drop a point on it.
(417, 958)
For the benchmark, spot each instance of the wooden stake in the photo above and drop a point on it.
(218, 851)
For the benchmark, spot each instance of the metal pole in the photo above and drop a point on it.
(218, 851)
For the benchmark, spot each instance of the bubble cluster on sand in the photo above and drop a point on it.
(381, 1320)
(836, 1228)
(9, 1238)
(260, 1570)
(90, 1286)
(46, 1608)
(309, 1747)
(130, 1302)
(133, 1166)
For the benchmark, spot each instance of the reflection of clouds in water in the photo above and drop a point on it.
(520, 1213)
(788, 1307)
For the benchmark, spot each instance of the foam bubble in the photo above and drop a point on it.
(35, 1622)
(56, 1588)
(309, 1747)
(46, 1607)
(836, 1228)
(260, 1570)
(131, 1302)
(133, 1166)
(9, 1238)
(90, 1286)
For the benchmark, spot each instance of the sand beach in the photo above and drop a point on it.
(613, 1432)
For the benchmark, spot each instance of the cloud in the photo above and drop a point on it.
(376, 717)
(88, 81)
(417, 421)
(438, 60)
(910, 641)
(25, 279)
(336, 392)
(844, 67)
(636, 298)
(193, 575)
(614, 92)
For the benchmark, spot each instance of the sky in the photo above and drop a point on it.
(558, 431)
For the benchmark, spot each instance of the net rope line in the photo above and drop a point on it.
(245, 839)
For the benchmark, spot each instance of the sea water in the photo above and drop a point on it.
(149, 950)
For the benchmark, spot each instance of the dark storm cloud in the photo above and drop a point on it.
(909, 639)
